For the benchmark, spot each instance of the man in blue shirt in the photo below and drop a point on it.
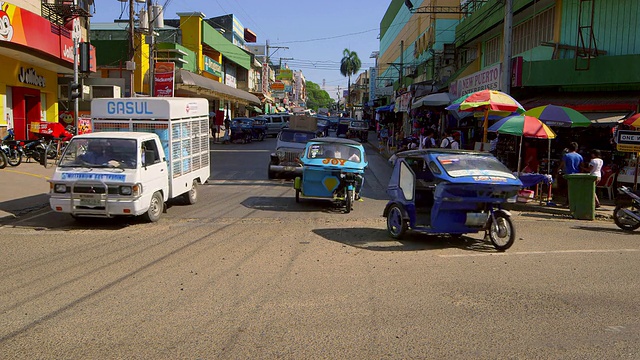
(570, 164)
(572, 161)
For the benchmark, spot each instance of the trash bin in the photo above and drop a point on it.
(582, 190)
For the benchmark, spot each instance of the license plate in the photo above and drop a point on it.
(89, 200)
(289, 168)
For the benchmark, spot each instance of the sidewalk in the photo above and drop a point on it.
(604, 212)
(24, 188)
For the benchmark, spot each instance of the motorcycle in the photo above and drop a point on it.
(627, 211)
(11, 149)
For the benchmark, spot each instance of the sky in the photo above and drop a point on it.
(315, 32)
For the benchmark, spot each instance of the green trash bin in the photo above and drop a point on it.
(582, 190)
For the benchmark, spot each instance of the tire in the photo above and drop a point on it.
(14, 158)
(191, 196)
(297, 195)
(624, 221)
(348, 200)
(3, 160)
(501, 232)
(396, 225)
(155, 208)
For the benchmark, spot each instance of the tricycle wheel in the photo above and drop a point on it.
(297, 195)
(348, 200)
(396, 225)
(501, 232)
(261, 136)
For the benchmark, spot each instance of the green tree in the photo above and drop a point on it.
(349, 65)
(316, 97)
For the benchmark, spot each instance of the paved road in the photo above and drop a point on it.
(248, 273)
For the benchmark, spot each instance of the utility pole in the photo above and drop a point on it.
(401, 72)
(75, 81)
(132, 44)
(506, 65)
(151, 40)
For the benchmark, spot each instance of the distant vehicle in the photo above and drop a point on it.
(275, 123)
(242, 130)
(323, 126)
(333, 120)
(259, 128)
(285, 161)
(343, 127)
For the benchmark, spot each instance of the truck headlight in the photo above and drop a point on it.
(128, 190)
(60, 188)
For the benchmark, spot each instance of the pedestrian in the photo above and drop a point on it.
(213, 126)
(595, 168)
(449, 141)
(570, 164)
(428, 141)
(227, 130)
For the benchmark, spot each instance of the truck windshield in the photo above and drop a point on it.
(296, 136)
(100, 153)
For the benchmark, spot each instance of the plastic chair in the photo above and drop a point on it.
(608, 185)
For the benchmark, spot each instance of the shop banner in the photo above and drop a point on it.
(628, 141)
(402, 102)
(285, 74)
(164, 79)
(488, 78)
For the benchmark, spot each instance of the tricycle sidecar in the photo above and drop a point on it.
(332, 169)
(455, 192)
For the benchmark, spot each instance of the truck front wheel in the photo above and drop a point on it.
(155, 208)
(191, 196)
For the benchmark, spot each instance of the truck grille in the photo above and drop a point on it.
(291, 158)
(99, 189)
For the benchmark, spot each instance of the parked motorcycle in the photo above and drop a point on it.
(11, 149)
(627, 212)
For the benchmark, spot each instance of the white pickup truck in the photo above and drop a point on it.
(141, 153)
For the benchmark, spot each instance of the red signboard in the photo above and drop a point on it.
(23, 27)
(164, 79)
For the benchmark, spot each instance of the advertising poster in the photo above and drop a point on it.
(164, 79)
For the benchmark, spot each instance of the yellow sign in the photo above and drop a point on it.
(628, 148)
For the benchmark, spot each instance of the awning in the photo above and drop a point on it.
(191, 82)
(385, 108)
(594, 101)
(436, 99)
(605, 119)
(255, 109)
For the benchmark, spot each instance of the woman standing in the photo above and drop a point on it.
(595, 169)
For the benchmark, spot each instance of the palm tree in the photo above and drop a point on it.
(349, 65)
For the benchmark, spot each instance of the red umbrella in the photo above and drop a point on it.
(633, 120)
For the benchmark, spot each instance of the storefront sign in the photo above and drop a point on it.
(29, 76)
(628, 141)
(164, 79)
(230, 76)
(285, 74)
(23, 27)
(212, 67)
(277, 86)
(488, 78)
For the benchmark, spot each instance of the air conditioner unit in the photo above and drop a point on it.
(105, 91)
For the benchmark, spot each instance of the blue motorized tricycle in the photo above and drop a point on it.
(333, 169)
(455, 192)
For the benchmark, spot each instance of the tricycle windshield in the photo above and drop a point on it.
(459, 165)
(358, 124)
(322, 122)
(96, 152)
(334, 151)
(296, 136)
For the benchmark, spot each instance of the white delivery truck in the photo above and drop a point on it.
(141, 153)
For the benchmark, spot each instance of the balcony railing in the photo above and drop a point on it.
(60, 11)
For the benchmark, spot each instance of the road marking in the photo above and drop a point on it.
(541, 252)
(26, 173)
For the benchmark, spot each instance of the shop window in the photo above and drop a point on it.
(43, 106)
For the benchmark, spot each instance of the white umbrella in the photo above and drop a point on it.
(436, 99)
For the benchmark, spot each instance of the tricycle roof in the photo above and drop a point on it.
(327, 140)
(423, 152)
